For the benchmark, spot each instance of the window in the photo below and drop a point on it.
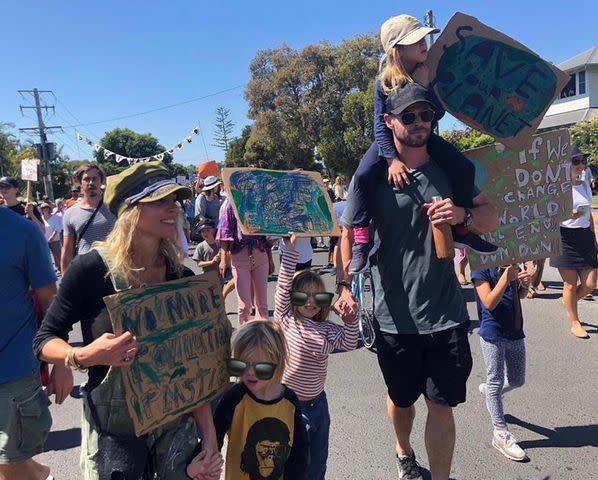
(582, 82)
(569, 90)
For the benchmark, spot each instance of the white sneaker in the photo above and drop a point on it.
(506, 444)
(482, 388)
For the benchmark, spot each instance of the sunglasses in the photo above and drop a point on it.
(322, 299)
(410, 117)
(578, 160)
(263, 370)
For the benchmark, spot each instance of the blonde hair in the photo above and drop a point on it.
(264, 335)
(392, 71)
(120, 245)
(305, 281)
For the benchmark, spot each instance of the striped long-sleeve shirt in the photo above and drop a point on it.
(309, 342)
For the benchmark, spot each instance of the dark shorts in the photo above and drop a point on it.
(435, 364)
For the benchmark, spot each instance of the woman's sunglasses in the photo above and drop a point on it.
(410, 117)
(322, 299)
(578, 160)
(263, 370)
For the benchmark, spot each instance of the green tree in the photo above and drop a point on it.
(9, 147)
(585, 136)
(235, 153)
(224, 128)
(128, 143)
(467, 138)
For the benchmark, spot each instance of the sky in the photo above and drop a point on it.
(109, 59)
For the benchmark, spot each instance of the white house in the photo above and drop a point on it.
(579, 99)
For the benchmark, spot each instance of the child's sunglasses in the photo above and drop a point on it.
(410, 117)
(263, 370)
(321, 299)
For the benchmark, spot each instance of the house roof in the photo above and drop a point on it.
(589, 57)
(567, 118)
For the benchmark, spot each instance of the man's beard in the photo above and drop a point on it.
(414, 139)
(92, 192)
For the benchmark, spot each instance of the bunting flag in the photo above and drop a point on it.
(123, 158)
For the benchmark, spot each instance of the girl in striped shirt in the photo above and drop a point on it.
(302, 305)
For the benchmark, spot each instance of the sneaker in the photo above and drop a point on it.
(482, 388)
(473, 242)
(359, 262)
(588, 297)
(506, 444)
(408, 467)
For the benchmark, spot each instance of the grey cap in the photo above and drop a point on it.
(401, 98)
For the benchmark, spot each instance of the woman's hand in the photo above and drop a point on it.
(222, 266)
(108, 349)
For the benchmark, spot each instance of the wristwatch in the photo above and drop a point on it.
(468, 220)
(342, 283)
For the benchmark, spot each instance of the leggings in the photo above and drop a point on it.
(498, 354)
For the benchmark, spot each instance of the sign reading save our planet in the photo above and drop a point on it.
(276, 202)
(183, 339)
(492, 82)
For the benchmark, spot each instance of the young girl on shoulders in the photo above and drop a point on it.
(497, 294)
(301, 307)
(260, 416)
(405, 53)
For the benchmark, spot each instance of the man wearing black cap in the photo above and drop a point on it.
(88, 220)
(420, 319)
(9, 189)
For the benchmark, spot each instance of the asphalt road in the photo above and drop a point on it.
(554, 415)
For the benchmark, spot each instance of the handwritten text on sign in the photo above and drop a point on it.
(29, 169)
(532, 191)
(183, 337)
(491, 82)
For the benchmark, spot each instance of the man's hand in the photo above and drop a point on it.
(346, 306)
(445, 211)
(61, 383)
(398, 173)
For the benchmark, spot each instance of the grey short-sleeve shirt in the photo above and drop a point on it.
(414, 292)
(76, 217)
(205, 252)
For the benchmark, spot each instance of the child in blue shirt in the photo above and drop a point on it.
(497, 293)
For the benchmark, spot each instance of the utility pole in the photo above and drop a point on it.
(44, 146)
(429, 21)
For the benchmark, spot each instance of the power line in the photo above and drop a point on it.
(156, 109)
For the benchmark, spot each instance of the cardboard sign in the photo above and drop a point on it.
(29, 169)
(532, 191)
(183, 339)
(275, 202)
(208, 168)
(181, 179)
(491, 82)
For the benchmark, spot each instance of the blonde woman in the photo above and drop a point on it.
(141, 250)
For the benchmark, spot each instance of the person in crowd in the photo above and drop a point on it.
(340, 193)
(207, 253)
(189, 207)
(73, 199)
(9, 189)
(579, 258)
(419, 310)
(329, 189)
(537, 269)
(250, 264)
(497, 293)
(302, 305)
(25, 420)
(207, 204)
(53, 229)
(405, 53)
(304, 250)
(461, 264)
(88, 220)
(142, 250)
(260, 415)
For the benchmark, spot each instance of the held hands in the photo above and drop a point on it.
(445, 211)
(61, 383)
(109, 350)
(346, 306)
(206, 466)
(398, 173)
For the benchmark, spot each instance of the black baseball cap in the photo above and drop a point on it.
(401, 98)
(9, 182)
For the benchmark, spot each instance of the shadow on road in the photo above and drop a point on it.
(561, 437)
(63, 439)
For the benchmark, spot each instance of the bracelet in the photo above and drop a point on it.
(343, 283)
(71, 362)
